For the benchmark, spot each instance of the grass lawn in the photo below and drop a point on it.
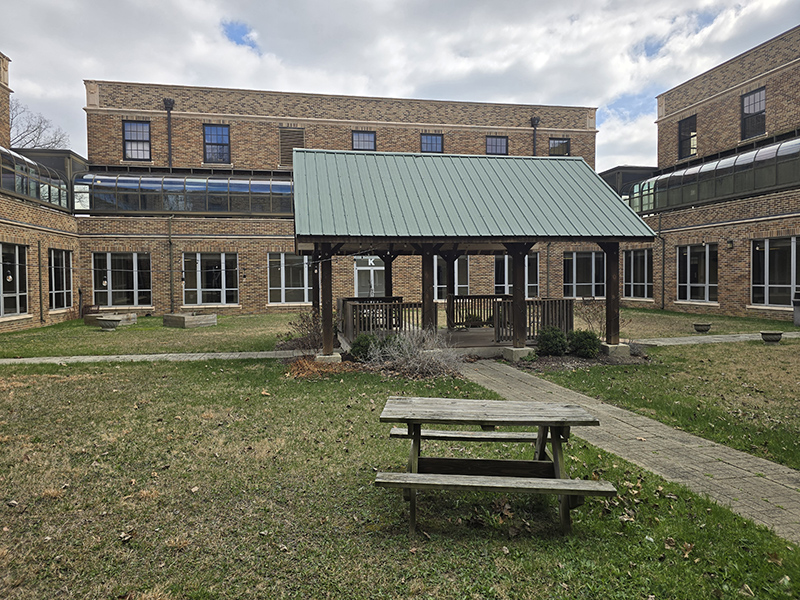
(230, 479)
(249, 333)
(743, 395)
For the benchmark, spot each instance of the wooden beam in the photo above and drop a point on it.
(327, 298)
(518, 252)
(611, 250)
(314, 274)
(428, 305)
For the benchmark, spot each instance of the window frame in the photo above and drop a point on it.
(377, 275)
(559, 142)
(440, 287)
(491, 140)
(638, 283)
(146, 146)
(439, 137)
(141, 289)
(754, 123)
(367, 135)
(201, 290)
(769, 272)
(687, 290)
(13, 293)
(211, 148)
(687, 137)
(280, 286)
(60, 278)
(598, 276)
(503, 284)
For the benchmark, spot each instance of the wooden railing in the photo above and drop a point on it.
(386, 316)
(539, 313)
(472, 311)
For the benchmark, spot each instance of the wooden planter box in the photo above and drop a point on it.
(124, 318)
(189, 320)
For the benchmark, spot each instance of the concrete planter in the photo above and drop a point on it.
(771, 338)
(702, 327)
(189, 320)
(109, 322)
(123, 318)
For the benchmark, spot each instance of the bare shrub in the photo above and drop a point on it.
(305, 332)
(593, 313)
(416, 354)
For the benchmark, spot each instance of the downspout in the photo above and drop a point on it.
(548, 269)
(41, 305)
(171, 268)
(534, 123)
(663, 263)
(169, 104)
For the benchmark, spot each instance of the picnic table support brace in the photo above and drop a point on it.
(415, 431)
(564, 502)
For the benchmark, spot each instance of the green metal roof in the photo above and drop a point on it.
(342, 196)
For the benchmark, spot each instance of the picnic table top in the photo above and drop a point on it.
(459, 411)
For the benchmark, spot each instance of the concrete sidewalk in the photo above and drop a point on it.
(706, 338)
(758, 489)
(176, 357)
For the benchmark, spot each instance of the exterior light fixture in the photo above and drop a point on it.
(9, 277)
(105, 282)
(730, 244)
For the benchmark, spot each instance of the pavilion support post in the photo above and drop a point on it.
(388, 260)
(450, 266)
(326, 269)
(611, 250)
(315, 282)
(518, 252)
(428, 305)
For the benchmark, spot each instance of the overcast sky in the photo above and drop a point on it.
(616, 55)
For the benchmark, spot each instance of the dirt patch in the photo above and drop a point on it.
(306, 367)
(570, 362)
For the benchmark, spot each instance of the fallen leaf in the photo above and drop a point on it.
(641, 439)
(265, 393)
(195, 489)
(505, 550)
(746, 591)
(12, 503)
(687, 548)
(669, 543)
(774, 559)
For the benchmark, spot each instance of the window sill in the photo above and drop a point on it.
(755, 138)
(59, 311)
(697, 303)
(12, 318)
(772, 307)
(288, 303)
(120, 307)
(148, 163)
(197, 306)
(648, 300)
(216, 165)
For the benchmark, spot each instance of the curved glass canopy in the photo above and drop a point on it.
(24, 177)
(150, 193)
(766, 169)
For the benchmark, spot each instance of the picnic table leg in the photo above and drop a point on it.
(415, 430)
(541, 444)
(557, 434)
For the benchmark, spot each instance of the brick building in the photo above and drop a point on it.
(725, 200)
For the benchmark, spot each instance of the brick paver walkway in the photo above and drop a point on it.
(755, 488)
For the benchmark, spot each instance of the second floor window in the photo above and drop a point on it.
(431, 142)
(216, 144)
(559, 146)
(754, 113)
(687, 137)
(496, 144)
(136, 140)
(364, 140)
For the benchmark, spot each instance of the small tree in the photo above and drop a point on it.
(34, 130)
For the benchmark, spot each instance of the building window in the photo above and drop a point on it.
(210, 278)
(496, 144)
(216, 144)
(754, 113)
(584, 274)
(364, 140)
(776, 271)
(697, 273)
(122, 279)
(687, 137)
(559, 146)
(136, 140)
(14, 289)
(60, 267)
(503, 279)
(431, 142)
(370, 277)
(638, 266)
(289, 278)
(461, 268)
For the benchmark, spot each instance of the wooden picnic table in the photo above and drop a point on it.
(544, 474)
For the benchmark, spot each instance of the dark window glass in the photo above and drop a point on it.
(136, 140)
(217, 144)
(584, 274)
(364, 140)
(559, 147)
(496, 144)
(14, 286)
(431, 142)
(60, 268)
(210, 278)
(638, 280)
(697, 273)
(122, 279)
(687, 137)
(754, 114)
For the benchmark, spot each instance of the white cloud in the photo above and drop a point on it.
(611, 54)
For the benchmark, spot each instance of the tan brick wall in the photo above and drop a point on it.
(715, 97)
(5, 92)
(255, 117)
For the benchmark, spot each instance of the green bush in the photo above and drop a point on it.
(552, 342)
(584, 343)
(362, 346)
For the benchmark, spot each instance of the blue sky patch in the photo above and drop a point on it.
(240, 34)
